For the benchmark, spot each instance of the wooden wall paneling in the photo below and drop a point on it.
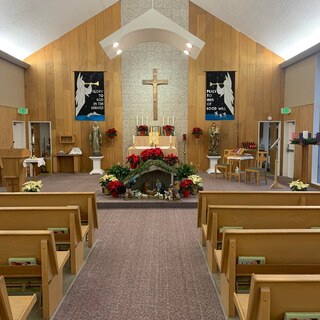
(99, 35)
(49, 85)
(91, 44)
(42, 114)
(267, 74)
(244, 83)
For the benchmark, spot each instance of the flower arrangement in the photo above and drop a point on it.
(153, 153)
(186, 184)
(111, 133)
(142, 129)
(106, 179)
(196, 180)
(134, 160)
(298, 186)
(115, 186)
(171, 159)
(197, 132)
(168, 129)
(32, 186)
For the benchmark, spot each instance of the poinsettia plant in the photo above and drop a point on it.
(111, 133)
(171, 159)
(142, 128)
(115, 186)
(153, 153)
(168, 128)
(106, 179)
(186, 184)
(196, 131)
(133, 159)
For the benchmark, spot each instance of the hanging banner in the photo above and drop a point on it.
(220, 87)
(89, 95)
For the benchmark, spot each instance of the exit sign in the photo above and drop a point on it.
(23, 110)
(285, 110)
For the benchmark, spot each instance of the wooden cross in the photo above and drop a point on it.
(155, 83)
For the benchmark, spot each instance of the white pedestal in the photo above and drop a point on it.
(96, 165)
(213, 161)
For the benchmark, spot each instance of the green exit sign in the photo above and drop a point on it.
(285, 110)
(23, 110)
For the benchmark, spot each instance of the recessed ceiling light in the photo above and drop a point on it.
(189, 45)
(116, 45)
(186, 52)
(119, 51)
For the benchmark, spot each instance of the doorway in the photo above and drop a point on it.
(288, 148)
(19, 134)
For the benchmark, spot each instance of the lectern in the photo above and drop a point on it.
(13, 172)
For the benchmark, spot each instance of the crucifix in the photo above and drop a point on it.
(155, 83)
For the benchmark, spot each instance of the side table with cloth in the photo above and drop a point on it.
(237, 161)
(30, 161)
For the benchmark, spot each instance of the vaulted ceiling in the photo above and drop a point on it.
(287, 27)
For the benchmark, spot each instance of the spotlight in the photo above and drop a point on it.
(119, 51)
(186, 52)
(116, 45)
(189, 45)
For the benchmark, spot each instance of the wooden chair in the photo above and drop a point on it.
(224, 166)
(260, 167)
(14, 307)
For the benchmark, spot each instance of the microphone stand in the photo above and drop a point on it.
(275, 184)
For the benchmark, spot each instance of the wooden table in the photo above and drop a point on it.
(237, 161)
(64, 162)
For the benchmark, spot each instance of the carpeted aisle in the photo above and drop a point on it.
(147, 264)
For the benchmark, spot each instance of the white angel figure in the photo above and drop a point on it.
(226, 90)
(82, 92)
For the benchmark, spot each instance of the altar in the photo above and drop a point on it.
(168, 145)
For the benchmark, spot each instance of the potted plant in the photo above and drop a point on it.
(134, 160)
(185, 187)
(119, 171)
(104, 182)
(111, 133)
(298, 186)
(153, 153)
(168, 130)
(32, 186)
(196, 132)
(196, 183)
(185, 170)
(171, 159)
(115, 187)
(142, 130)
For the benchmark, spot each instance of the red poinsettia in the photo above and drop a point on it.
(168, 129)
(133, 159)
(171, 159)
(111, 133)
(186, 184)
(153, 153)
(142, 128)
(115, 186)
(197, 131)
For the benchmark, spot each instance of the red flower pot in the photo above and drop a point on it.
(167, 133)
(196, 136)
(186, 193)
(133, 165)
(114, 194)
(142, 133)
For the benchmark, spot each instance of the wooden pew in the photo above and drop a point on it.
(40, 245)
(14, 307)
(85, 200)
(257, 217)
(42, 218)
(287, 251)
(289, 198)
(272, 295)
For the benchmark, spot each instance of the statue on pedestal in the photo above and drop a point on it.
(214, 140)
(95, 138)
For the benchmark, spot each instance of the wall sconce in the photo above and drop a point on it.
(152, 26)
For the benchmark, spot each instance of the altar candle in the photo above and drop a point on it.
(32, 139)
(292, 135)
(163, 121)
(168, 120)
(147, 121)
(133, 139)
(173, 121)
(305, 134)
(137, 121)
(170, 139)
(142, 120)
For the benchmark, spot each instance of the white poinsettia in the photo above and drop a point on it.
(196, 180)
(298, 186)
(32, 186)
(106, 179)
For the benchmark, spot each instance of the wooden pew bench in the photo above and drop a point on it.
(272, 295)
(286, 251)
(42, 218)
(14, 307)
(289, 198)
(85, 200)
(256, 217)
(49, 268)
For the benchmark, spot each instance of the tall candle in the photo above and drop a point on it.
(142, 120)
(292, 135)
(168, 120)
(137, 121)
(133, 139)
(305, 134)
(163, 121)
(170, 139)
(173, 121)
(147, 120)
(32, 139)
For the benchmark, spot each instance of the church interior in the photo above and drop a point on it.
(160, 160)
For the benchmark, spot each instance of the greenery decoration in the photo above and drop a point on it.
(186, 170)
(312, 141)
(119, 171)
(298, 186)
(32, 186)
